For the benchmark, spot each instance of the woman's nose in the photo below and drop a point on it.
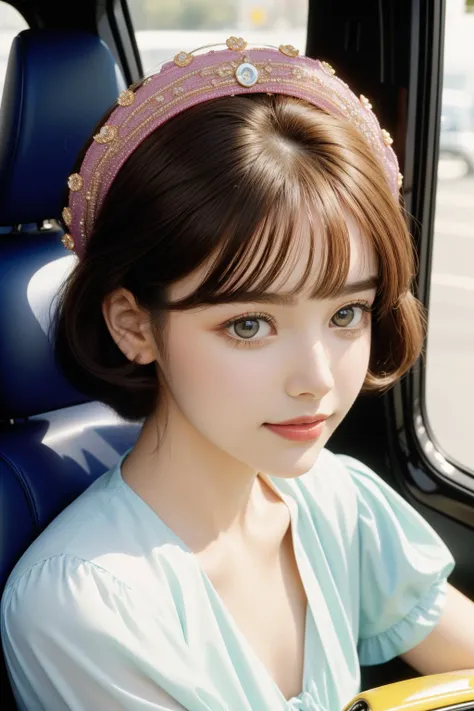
(313, 374)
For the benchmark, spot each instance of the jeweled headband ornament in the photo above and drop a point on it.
(192, 78)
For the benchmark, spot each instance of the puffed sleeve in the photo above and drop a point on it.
(76, 639)
(404, 566)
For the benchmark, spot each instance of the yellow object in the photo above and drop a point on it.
(425, 693)
(258, 16)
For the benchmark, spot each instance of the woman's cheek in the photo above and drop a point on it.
(351, 369)
(207, 365)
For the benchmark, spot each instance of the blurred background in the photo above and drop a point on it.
(163, 27)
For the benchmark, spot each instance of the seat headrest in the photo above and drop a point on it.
(57, 87)
(32, 268)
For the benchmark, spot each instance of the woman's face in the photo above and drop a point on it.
(234, 367)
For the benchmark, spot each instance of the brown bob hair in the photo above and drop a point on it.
(215, 183)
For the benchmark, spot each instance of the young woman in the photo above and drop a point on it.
(243, 261)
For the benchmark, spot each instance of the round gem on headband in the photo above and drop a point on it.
(107, 134)
(75, 182)
(68, 241)
(67, 216)
(400, 180)
(365, 102)
(237, 44)
(183, 59)
(246, 74)
(126, 98)
(289, 50)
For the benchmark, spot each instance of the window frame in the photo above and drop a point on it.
(432, 476)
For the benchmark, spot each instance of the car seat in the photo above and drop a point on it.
(53, 441)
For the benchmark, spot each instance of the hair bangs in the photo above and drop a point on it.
(386, 232)
(304, 218)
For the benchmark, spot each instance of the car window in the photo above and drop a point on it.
(11, 23)
(450, 348)
(164, 28)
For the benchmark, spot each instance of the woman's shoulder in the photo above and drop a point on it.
(98, 565)
(102, 533)
(66, 617)
(74, 531)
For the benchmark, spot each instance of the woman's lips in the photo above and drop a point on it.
(298, 432)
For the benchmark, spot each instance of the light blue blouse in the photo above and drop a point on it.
(108, 609)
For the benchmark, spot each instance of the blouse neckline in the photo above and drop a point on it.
(295, 702)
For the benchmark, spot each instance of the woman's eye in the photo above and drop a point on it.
(246, 328)
(351, 316)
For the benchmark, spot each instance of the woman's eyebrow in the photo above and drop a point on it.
(371, 282)
(290, 300)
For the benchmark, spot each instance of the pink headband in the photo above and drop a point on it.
(191, 79)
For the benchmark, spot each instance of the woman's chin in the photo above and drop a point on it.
(293, 463)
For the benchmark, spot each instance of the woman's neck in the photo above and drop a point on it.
(200, 492)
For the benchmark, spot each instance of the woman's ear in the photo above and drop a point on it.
(129, 326)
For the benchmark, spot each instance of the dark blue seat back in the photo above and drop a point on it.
(57, 87)
(53, 442)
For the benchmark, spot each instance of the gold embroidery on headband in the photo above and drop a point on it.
(67, 216)
(91, 197)
(224, 70)
(106, 134)
(68, 241)
(224, 75)
(183, 59)
(126, 98)
(237, 44)
(289, 50)
(387, 139)
(75, 182)
(328, 68)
